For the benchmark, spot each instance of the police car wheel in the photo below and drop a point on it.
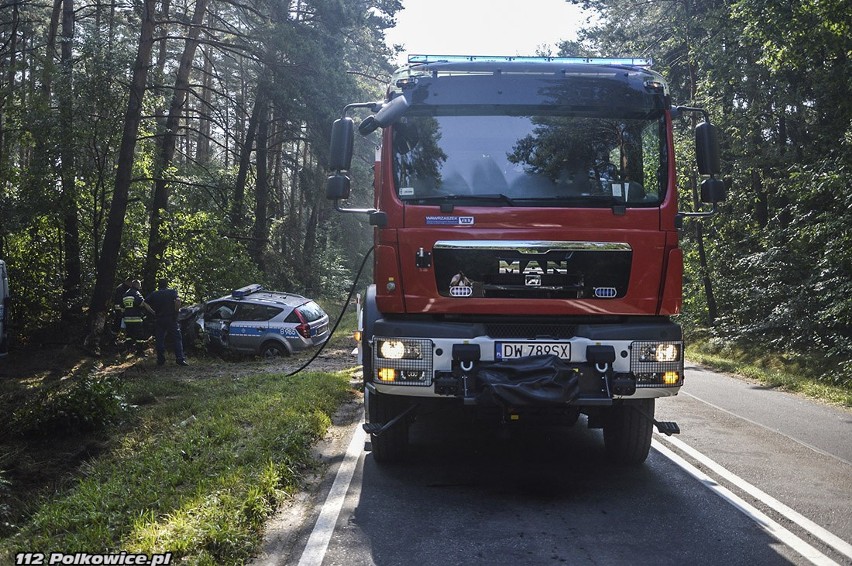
(273, 350)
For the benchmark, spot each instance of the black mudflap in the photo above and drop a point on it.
(527, 382)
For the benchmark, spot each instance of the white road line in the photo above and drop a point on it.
(770, 429)
(819, 532)
(765, 522)
(323, 529)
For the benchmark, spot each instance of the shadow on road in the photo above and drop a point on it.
(476, 494)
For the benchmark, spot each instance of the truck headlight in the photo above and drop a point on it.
(402, 361)
(657, 364)
(665, 352)
(668, 353)
(399, 350)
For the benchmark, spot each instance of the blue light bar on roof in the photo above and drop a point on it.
(247, 290)
(622, 61)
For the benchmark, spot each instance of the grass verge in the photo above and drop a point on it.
(195, 469)
(772, 370)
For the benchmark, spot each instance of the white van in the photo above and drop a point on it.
(4, 310)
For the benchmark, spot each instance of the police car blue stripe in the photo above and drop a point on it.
(246, 330)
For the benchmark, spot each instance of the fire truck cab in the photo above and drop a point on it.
(526, 244)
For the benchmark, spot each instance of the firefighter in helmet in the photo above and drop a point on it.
(134, 310)
(118, 306)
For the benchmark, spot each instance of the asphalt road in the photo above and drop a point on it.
(478, 495)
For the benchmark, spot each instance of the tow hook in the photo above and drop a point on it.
(602, 359)
(465, 357)
(376, 429)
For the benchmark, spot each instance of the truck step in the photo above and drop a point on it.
(373, 428)
(378, 428)
(667, 427)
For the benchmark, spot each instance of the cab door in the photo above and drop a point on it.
(217, 318)
(250, 325)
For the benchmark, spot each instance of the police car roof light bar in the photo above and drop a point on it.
(247, 290)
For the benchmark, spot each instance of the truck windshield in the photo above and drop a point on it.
(556, 161)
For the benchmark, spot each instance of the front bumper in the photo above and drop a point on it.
(634, 358)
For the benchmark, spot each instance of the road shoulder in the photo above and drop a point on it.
(288, 529)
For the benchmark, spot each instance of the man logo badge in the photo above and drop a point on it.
(532, 280)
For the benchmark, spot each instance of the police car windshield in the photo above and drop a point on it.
(557, 161)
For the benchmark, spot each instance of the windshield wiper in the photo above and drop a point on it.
(596, 200)
(442, 198)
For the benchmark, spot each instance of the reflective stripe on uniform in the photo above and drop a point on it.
(127, 319)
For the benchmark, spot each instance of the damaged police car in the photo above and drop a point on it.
(252, 320)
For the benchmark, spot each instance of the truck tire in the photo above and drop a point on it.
(390, 446)
(627, 431)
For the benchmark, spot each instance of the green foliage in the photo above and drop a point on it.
(198, 473)
(34, 278)
(80, 404)
(5, 508)
(774, 76)
(203, 262)
(303, 57)
(801, 301)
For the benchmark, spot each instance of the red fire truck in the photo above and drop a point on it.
(526, 244)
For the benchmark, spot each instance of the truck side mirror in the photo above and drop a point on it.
(391, 112)
(709, 162)
(708, 158)
(707, 149)
(713, 190)
(337, 187)
(342, 142)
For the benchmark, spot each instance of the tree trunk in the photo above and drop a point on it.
(9, 76)
(704, 269)
(50, 50)
(309, 245)
(761, 203)
(277, 145)
(108, 261)
(72, 282)
(202, 146)
(111, 32)
(238, 205)
(162, 55)
(261, 229)
(157, 241)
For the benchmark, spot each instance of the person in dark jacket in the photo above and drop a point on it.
(134, 306)
(166, 304)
